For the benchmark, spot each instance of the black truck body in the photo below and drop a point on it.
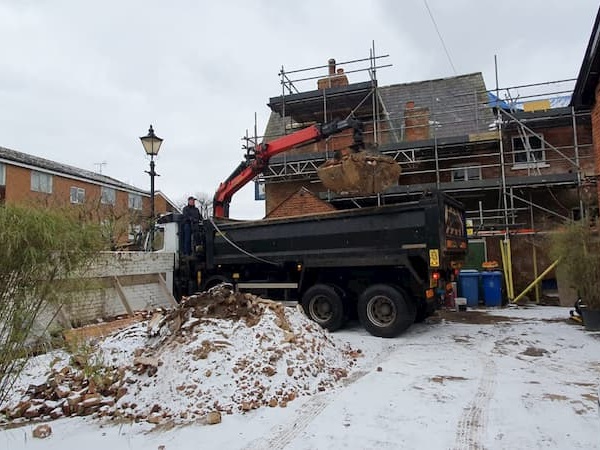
(388, 265)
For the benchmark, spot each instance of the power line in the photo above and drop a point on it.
(440, 36)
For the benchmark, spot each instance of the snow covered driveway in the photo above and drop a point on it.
(514, 378)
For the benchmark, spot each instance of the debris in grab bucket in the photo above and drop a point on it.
(360, 173)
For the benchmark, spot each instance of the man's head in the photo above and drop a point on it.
(191, 201)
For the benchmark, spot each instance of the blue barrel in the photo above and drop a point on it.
(492, 288)
(468, 283)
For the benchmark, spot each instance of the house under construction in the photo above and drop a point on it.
(520, 158)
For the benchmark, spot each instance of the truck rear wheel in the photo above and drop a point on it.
(385, 311)
(323, 305)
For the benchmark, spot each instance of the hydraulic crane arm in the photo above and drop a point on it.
(257, 158)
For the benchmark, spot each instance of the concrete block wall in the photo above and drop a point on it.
(110, 264)
(138, 272)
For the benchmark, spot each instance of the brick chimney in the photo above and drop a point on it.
(416, 122)
(335, 78)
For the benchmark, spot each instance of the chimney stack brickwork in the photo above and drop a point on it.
(416, 122)
(335, 77)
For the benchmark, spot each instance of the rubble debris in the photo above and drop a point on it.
(218, 352)
(42, 431)
(360, 173)
(213, 418)
(102, 329)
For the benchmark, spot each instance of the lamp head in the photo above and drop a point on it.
(151, 142)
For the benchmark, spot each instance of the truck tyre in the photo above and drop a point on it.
(385, 311)
(324, 305)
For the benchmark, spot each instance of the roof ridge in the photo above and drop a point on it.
(455, 77)
(67, 169)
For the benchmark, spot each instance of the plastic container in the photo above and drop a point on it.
(461, 304)
(468, 283)
(492, 288)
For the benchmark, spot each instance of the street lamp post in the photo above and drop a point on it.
(151, 143)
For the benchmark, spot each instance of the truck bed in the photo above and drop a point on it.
(358, 237)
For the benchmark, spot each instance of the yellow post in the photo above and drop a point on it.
(535, 274)
(504, 268)
(510, 271)
(537, 280)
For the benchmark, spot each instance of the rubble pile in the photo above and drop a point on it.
(362, 172)
(219, 352)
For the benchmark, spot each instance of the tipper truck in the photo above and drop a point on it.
(388, 265)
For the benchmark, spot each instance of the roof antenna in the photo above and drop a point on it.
(99, 166)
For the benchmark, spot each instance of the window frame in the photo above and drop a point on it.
(79, 199)
(36, 182)
(465, 171)
(104, 198)
(134, 205)
(528, 163)
(2, 174)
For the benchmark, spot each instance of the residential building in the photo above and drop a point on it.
(521, 164)
(586, 96)
(123, 208)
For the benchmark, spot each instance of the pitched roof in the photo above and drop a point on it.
(23, 159)
(587, 80)
(457, 105)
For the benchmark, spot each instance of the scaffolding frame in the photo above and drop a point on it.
(489, 149)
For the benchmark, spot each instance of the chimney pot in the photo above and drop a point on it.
(331, 66)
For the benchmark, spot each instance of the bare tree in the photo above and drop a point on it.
(39, 249)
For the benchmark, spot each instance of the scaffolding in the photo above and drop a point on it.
(483, 147)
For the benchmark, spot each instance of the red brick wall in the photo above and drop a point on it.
(596, 136)
(301, 203)
(277, 193)
(18, 190)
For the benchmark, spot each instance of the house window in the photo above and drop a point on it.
(108, 196)
(2, 174)
(77, 195)
(41, 182)
(528, 150)
(135, 201)
(466, 173)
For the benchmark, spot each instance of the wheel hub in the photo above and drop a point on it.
(381, 311)
(320, 309)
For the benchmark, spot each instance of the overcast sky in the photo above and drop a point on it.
(80, 81)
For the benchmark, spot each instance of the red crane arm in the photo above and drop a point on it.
(257, 160)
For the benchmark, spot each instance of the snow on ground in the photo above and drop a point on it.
(220, 353)
(508, 378)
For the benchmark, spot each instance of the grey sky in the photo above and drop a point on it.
(81, 81)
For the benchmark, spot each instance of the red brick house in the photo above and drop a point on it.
(520, 166)
(29, 179)
(586, 96)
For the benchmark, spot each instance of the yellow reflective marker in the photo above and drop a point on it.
(434, 257)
